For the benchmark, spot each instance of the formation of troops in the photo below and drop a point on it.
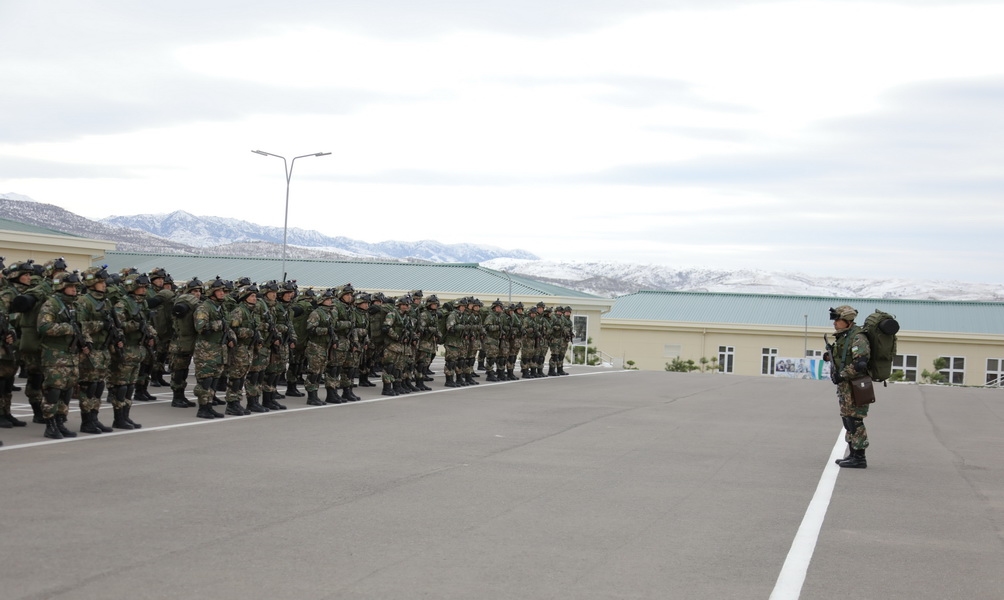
(78, 335)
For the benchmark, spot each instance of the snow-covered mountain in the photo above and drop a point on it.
(613, 279)
(231, 237)
(202, 231)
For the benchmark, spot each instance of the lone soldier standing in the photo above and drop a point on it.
(848, 358)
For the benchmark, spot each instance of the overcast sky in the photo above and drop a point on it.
(830, 138)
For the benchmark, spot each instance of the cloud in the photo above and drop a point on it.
(16, 167)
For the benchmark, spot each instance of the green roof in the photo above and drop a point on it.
(8, 225)
(791, 311)
(460, 278)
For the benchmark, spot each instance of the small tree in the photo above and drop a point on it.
(629, 365)
(591, 358)
(714, 364)
(896, 376)
(679, 365)
(937, 376)
(704, 363)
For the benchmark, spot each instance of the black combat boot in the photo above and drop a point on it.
(51, 430)
(396, 386)
(142, 394)
(126, 410)
(388, 389)
(36, 414)
(119, 421)
(481, 363)
(234, 409)
(551, 371)
(450, 382)
(850, 451)
(313, 399)
(268, 401)
(206, 412)
(13, 421)
(490, 374)
(179, 400)
(97, 422)
(292, 391)
(561, 369)
(158, 380)
(364, 380)
(420, 385)
(61, 425)
(331, 396)
(855, 461)
(255, 406)
(348, 395)
(87, 424)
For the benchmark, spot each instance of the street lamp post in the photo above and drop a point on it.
(288, 171)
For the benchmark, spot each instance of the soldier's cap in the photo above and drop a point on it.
(461, 302)
(309, 293)
(158, 272)
(193, 284)
(270, 286)
(327, 294)
(511, 306)
(498, 303)
(532, 311)
(363, 298)
(519, 305)
(125, 271)
(432, 299)
(843, 312)
(243, 281)
(169, 280)
(416, 294)
(346, 289)
(405, 299)
(289, 286)
(541, 304)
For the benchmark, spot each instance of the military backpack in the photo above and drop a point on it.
(880, 328)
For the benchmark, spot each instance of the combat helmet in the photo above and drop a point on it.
(432, 299)
(405, 299)
(64, 280)
(135, 281)
(94, 275)
(191, 285)
(843, 312)
(244, 292)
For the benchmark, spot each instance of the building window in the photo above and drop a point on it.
(955, 372)
(813, 354)
(726, 359)
(768, 356)
(672, 350)
(995, 371)
(907, 363)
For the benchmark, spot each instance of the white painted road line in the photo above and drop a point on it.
(796, 565)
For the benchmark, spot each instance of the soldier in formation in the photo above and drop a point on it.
(76, 335)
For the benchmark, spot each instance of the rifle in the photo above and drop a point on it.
(78, 335)
(828, 356)
(115, 335)
(6, 330)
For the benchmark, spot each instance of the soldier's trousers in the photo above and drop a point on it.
(853, 418)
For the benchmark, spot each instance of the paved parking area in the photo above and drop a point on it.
(603, 484)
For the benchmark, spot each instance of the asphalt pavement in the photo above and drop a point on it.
(602, 484)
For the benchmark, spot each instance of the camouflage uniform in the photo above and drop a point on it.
(493, 327)
(212, 346)
(427, 321)
(300, 310)
(849, 355)
(13, 285)
(280, 320)
(361, 342)
(515, 312)
(245, 321)
(29, 347)
(475, 333)
(347, 346)
(96, 316)
(183, 336)
(555, 341)
(401, 341)
(320, 327)
(139, 338)
(62, 342)
(455, 343)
